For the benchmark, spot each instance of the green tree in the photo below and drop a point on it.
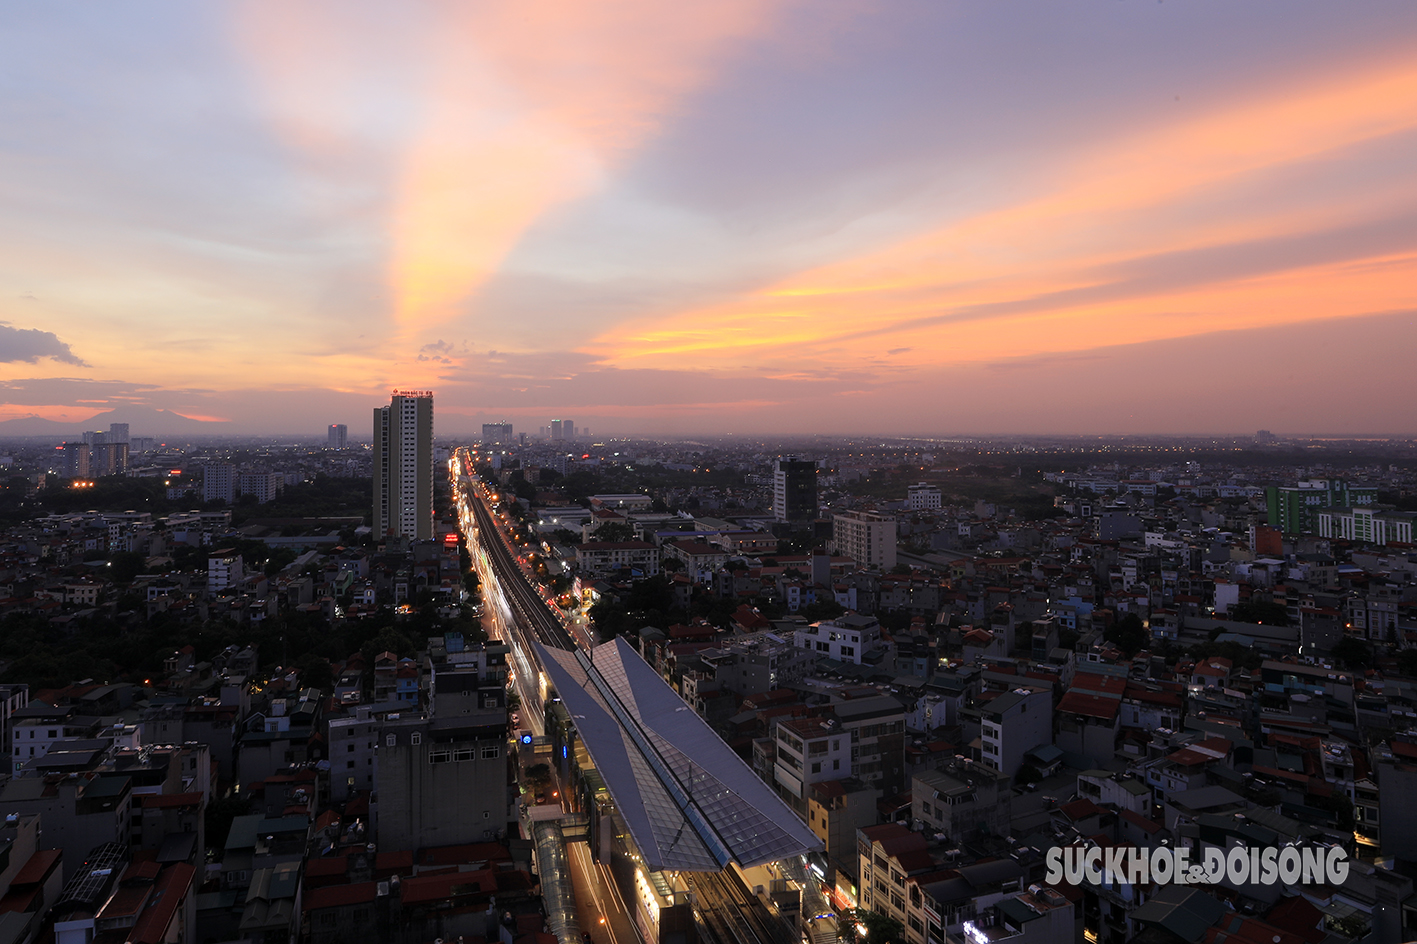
(821, 609)
(315, 672)
(610, 619)
(220, 812)
(1353, 653)
(537, 776)
(1028, 774)
(123, 566)
(1128, 633)
(614, 531)
(863, 926)
(1407, 662)
(1260, 611)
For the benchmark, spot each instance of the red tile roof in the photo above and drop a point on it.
(170, 801)
(428, 888)
(38, 867)
(1150, 827)
(1080, 809)
(1089, 705)
(1110, 685)
(340, 896)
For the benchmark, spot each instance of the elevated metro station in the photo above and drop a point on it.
(668, 806)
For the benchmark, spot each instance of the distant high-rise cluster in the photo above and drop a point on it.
(403, 466)
(100, 453)
(497, 432)
(338, 436)
(563, 431)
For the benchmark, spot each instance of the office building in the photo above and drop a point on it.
(338, 436)
(866, 537)
(497, 432)
(219, 482)
(118, 433)
(403, 466)
(562, 430)
(794, 489)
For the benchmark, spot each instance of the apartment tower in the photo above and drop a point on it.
(403, 466)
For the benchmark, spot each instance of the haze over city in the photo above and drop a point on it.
(751, 216)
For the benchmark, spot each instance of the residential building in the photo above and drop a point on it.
(354, 754)
(442, 776)
(846, 639)
(338, 436)
(1037, 916)
(1368, 525)
(600, 558)
(403, 466)
(76, 811)
(38, 725)
(1013, 724)
(753, 664)
(876, 724)
(263, 485)
(225, 569)
(700, 560)
(962, 800)
(219, 482)
(1397, 776)
(74, 460)
(1294, 509)
(836, 809)
(809, 751)
(922, 497)
(866, 537)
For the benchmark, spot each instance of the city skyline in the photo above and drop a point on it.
(757, 216)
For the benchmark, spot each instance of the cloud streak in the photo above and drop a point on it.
(1115, 247)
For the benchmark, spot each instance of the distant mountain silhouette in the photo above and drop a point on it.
(141, 420)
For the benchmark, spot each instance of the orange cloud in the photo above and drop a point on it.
(1048, 273)
(528, 105)
(519, 107)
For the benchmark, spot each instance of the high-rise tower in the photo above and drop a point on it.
(794, 489)
(403, 466)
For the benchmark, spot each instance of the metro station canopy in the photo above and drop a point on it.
(690, 803)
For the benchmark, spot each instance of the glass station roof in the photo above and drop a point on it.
(690, 802)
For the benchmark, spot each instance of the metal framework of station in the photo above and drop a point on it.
(689, 802)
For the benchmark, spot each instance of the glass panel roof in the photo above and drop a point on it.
(689, 801)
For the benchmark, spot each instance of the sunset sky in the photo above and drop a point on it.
(759, 216)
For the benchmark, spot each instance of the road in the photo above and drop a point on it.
(730, 914)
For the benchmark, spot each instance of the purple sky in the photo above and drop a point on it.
(747, 216)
